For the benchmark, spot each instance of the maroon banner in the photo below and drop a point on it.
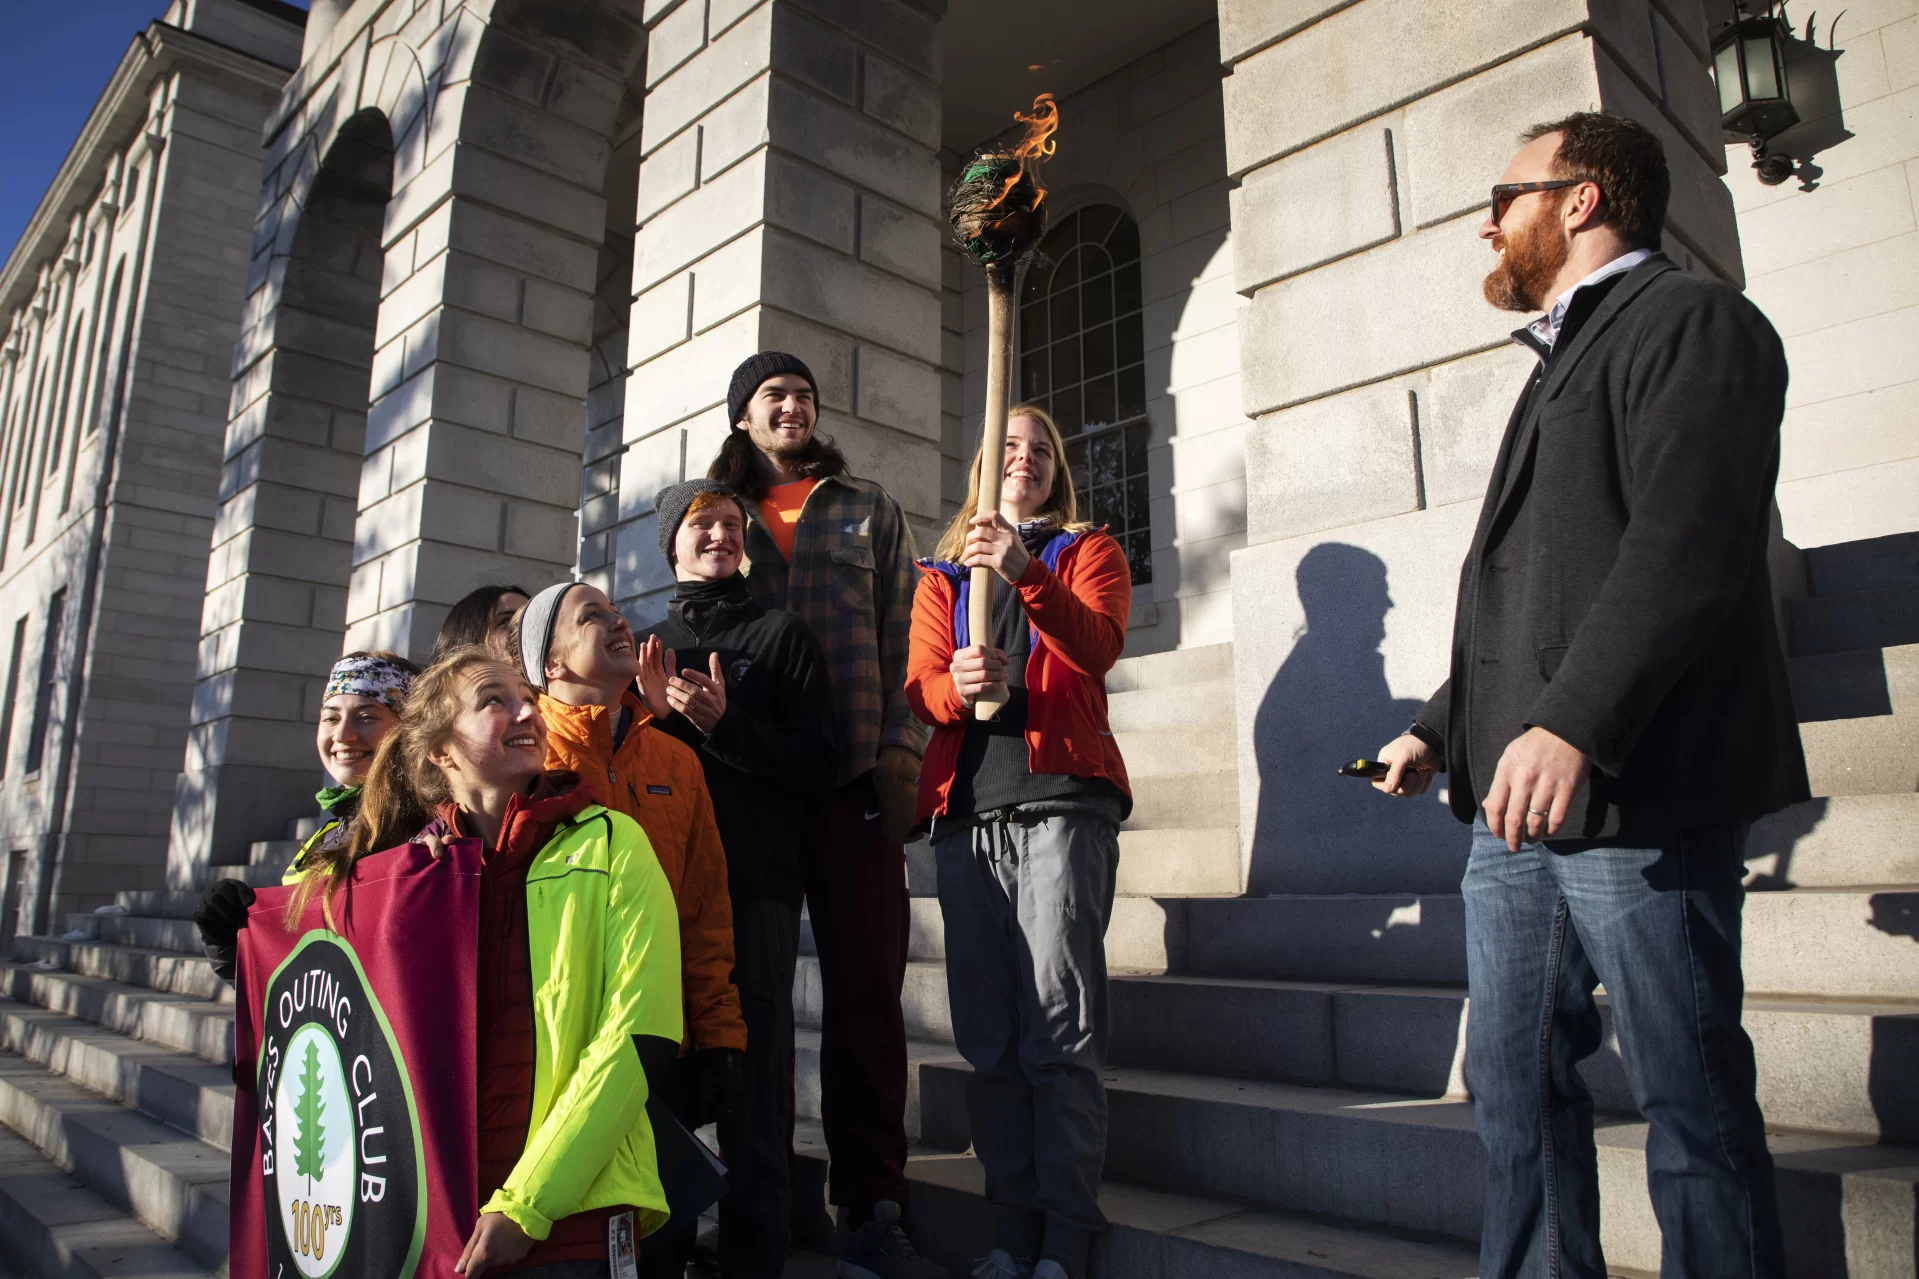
(355, 1136)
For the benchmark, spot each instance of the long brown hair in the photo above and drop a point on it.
(470, 621)
(1062, 505)
(738, 464)
(404, 788)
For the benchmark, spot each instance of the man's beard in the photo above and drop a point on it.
(1529, 263)
(784, 454)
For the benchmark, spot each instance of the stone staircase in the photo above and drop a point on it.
(116, 1089)
(1285, 1085)
(1285, 1081)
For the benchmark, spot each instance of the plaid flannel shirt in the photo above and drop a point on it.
(852, 581)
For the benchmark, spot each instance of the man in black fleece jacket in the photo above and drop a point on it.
(746, 687)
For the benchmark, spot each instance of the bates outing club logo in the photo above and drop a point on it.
(340, 1144)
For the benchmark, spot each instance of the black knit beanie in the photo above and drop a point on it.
(752, 375)
(673, 501)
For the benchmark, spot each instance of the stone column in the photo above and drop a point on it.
(407, 408)
(473, 449)
(789, 198)
(1365, 137)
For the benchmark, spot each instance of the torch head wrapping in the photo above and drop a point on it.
(997, 207)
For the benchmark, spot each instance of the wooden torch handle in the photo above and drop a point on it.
(999, 386)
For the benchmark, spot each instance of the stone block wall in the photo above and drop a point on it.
(789, 198)
(407, 412)
(113, 391)
(1832, 257)
(1365, 137)
(1150, 138)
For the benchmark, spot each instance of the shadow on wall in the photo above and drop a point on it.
(1330, 703)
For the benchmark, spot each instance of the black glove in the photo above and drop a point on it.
(222, 913)
(721, 1075)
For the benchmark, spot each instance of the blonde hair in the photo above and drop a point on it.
(1062, 505)
(404, 787)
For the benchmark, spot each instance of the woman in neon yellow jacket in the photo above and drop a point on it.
(579, 965)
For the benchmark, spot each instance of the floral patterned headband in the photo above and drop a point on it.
(370, 676)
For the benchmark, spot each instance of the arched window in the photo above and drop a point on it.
(1082, 355)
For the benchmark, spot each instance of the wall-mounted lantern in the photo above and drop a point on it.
(1755, 102)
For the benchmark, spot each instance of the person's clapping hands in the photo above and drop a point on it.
(699, 697)
(656, 667)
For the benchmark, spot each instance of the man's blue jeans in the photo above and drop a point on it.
(1659, 927)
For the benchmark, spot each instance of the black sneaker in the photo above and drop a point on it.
(881, 1249)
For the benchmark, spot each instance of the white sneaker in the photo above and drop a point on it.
(1050, 1269)
(1000, 1264)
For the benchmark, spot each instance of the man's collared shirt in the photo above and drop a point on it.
(1546, 327)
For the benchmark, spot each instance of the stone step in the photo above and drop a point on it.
(277, 853)
(1152, 863)
(1160, 752)
(183, 1092)
(1841, 841)
(1208, 703)
(1145, 934)
(1859, 720)
(301, 829)
(922, 1000)
(159, 905)
(173, 1184)
(1864, 565)
(806, 1075)
(1180, 863)
(1171, 669)
(177, 935)
(1824, 1065)
(1878, 618)
(265, 876)
(1185, 801)
(198, 1027)
(53, 1226)
(1415, 1164)
(1156, 1235)
(1831, 942)
(162, 970)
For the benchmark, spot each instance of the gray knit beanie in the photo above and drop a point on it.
(673, 502)
(536, 631)
(752, 375)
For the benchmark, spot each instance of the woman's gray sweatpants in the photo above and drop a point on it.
(1025, 898)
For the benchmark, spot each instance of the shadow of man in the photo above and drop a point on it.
(1318, 832)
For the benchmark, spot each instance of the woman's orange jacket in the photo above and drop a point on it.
(1078, 615)
(657, 781)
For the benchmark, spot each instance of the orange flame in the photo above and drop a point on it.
(1040, 127)
(1037, 144)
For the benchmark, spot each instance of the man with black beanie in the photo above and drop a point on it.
(746, 688)
(835, 550)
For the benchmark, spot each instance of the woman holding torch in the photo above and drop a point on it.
(1024, 809)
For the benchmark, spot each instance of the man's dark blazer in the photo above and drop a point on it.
(1616, 593)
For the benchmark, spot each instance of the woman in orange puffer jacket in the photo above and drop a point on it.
(578, 651)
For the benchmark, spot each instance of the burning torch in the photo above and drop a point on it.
(998, 213)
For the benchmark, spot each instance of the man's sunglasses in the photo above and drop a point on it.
(1506, 192)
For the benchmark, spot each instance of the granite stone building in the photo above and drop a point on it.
(121, 303)
(483, 268)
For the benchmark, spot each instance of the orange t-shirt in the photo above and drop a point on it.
(780, 508)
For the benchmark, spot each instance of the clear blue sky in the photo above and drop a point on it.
(55, 58)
